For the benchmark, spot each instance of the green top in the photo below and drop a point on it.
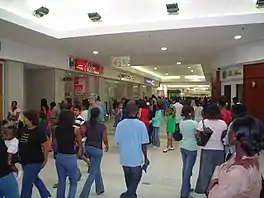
(170, 123)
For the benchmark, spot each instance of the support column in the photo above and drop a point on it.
(14, 85)
(59, 85)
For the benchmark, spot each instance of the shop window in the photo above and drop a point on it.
(239, 92)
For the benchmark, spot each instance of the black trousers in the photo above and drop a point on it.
(132, 178)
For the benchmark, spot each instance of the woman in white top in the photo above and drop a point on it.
(212, 154)
(198, 111)
(14, 113)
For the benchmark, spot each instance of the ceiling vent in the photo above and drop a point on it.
(95, 17)
(260, 4)
(173, 8)
(42, 11)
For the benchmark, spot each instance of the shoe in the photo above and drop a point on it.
(55, 186)
(165, 150)
(171, 149)
(100, 193)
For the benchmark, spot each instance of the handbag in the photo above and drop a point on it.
(262, 189)
(177, 136)
(204, 136)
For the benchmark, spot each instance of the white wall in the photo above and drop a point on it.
(39, 84)
(14, 84)
(24, 53)
(250, 52)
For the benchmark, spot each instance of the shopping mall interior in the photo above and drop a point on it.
(131, 49)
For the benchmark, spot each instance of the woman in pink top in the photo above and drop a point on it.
(240, 177)
(226, 114)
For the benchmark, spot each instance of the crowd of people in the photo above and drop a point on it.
(230, 143)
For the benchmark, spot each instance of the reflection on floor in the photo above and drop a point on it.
(162, 180)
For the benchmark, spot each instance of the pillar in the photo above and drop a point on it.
(13, 85)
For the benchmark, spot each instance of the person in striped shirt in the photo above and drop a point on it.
(79, 121)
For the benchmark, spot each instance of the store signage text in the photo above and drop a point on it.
(85, 66)
(121, 61)
(149, 82)
(125, 76)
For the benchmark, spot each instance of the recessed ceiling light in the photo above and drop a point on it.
(164, 48)
(189, 67)
(178, 63)
(191, 70)
(95, 52)
(166, 74)
(237, 37)
(155, 68)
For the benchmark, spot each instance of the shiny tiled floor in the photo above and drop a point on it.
(162, 180)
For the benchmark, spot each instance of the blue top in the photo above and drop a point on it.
(156, 121)
(130, 134)
(188, 129)
(101, 117)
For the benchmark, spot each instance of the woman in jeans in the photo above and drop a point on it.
(188, 149)
(66, 161)
(8, 183)
(212, 154)
(33, 152)
(96, 134)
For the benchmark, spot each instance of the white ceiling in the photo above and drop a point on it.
(174, 70)
(192, 46)
(68, 18)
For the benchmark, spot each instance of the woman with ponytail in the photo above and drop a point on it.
(96, 136)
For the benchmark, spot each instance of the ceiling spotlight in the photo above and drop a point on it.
(178, 63)
(95, 17)
(172, 8)
(155, 68)
(189, 67)
(237, 37)
(191, 70)
(164, 48)
(42, 11)
(166, 74)
(95, 52)
(260, 3)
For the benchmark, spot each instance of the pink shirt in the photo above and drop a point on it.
(236, 181)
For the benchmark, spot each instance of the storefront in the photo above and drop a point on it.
(232, 82)
(83, 79)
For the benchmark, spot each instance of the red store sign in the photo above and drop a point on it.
(86, 66)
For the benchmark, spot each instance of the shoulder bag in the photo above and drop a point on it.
(204, 136)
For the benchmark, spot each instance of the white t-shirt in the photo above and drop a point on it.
(12, 145)
(84, 115)
(198, 113)
(218, 127)
(178, 108)
(14, 113)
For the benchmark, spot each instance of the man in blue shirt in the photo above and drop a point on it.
(131, 137)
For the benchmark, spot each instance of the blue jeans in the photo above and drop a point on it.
(66, 165)
(95, 155)
(188, 161)
(54, 142)
(132, 178)
(31, 177)
(155, 136)
(8, 186)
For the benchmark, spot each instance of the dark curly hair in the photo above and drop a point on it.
(250, 133)
(213, 112)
